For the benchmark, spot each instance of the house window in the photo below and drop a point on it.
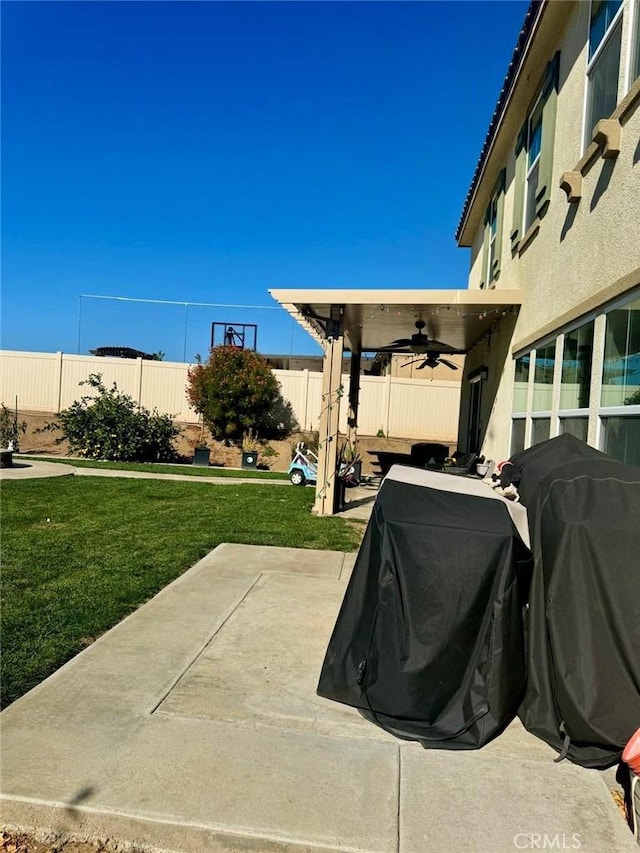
(493, 231)
(603, 68)
(621, 438)
(540, 430)
(635, 56)
(521, 384)
(533, 148)
(576, 368)
(492, 245)
(620, 394)
(518, 426)
(575, 426)
(600, 365)
(543, 377)
(534, 156)
(621, 368)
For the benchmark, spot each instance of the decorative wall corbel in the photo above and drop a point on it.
(607, 135)
(571, 183)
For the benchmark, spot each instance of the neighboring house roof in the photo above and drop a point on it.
(123, 352)
(515, 65)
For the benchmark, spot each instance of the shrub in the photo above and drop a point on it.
(10, 429)
(234, 391)
(110, 425)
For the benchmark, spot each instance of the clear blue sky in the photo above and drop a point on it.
(208, 151)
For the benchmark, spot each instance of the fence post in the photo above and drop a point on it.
(59, 364)
(305, 373)
(386, 408)
(139, 360)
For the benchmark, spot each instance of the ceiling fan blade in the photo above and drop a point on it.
(401, 342)
(413, 361)
(424, 364)
(448, 363)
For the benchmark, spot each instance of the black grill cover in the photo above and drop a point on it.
(583, 693)
(428, 643)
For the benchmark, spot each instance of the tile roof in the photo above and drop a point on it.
(507, 87)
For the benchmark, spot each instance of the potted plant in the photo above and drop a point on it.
(250, 448)
(201, 453)
(350, 463)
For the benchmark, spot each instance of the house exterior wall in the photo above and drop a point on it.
(584, 252)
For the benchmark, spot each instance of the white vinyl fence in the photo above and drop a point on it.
(401, 408)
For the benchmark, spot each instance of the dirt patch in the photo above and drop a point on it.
(46, 444)
(23, 842)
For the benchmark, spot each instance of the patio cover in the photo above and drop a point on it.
(368, 320)
(373, 318)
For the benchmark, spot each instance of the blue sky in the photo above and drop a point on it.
(208, 151)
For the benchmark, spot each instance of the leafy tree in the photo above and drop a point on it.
(234, 391)
(111, 425)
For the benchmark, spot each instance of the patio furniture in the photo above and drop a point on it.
(465, 464)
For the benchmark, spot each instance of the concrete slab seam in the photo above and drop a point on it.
(280, 838)
(206, 645)
(255, 725)
(399, 811)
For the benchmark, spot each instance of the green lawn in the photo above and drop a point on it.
(161, 468)
(111, 544)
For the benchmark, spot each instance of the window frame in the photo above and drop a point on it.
(587, 123)
(539, 103)
(492, 239)
(493, 234)
(595, 414)
(546, 98)
(633, 45)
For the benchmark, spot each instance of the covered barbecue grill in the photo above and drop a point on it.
(429, 642)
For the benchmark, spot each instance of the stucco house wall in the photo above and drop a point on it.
(584, 252)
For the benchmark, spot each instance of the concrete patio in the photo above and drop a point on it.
(193, 725)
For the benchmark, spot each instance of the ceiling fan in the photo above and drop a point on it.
(420, 344)
(432, 360)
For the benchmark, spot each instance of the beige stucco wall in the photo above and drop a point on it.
(581, 249)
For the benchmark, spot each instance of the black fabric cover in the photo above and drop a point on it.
(429, 642)
(583, 659)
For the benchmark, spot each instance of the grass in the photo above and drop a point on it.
(162, 468)
(79, 553)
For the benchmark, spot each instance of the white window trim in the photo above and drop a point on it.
(618, 411)
(591, 62)
(614, 411)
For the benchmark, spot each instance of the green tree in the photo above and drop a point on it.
(234, 391)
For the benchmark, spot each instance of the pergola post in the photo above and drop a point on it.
(329, 421)
(354, 396)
